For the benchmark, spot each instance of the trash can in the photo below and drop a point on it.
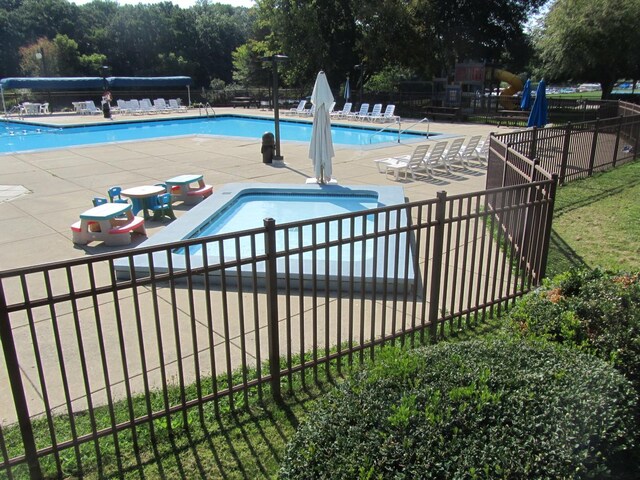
(268, 147)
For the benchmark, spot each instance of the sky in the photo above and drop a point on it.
(181, 3)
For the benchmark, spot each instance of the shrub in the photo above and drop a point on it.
(594, 311)
(499, 409)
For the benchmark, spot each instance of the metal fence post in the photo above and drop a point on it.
(547, 233)
(436, 268)
(271, 274)
(615, 149)
(565, 153)
(594, 145)
(17, 389)
(533, 150)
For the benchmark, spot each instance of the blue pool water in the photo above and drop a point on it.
(21, 137)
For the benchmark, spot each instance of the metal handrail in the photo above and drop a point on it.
(425, 119)
(206, 110)
(384, 128)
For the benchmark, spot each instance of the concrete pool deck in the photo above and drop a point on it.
(60, 183)
(48, 190)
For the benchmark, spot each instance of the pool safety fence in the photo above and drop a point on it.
(92, 361)
(78, 340)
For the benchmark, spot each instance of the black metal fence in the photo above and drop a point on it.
(242, 310)
(103, 347)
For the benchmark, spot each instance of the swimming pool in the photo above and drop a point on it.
(21, 137)
(243, 207)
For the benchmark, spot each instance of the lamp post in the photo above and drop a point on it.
(360, 67)
(104, 71)
(274, 59)
(40, 57)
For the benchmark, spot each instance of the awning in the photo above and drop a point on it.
(79, 83)
(54, 83)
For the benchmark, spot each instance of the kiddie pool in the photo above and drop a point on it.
(242, 207)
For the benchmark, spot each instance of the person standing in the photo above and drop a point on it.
(106, 104)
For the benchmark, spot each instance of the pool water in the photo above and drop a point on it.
(248, 211)
(20, 137)
(240, 207)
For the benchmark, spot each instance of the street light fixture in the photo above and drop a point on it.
(40, 57)
(274, 59)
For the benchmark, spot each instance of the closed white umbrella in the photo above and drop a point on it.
(321, 148)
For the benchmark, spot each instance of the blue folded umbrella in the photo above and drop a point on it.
(525, 104)
(538, 115)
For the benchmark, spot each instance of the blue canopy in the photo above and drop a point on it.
(57, 83)
(525, 104)
(538, 115)
(87, 83)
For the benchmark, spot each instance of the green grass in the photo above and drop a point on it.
(597, 222)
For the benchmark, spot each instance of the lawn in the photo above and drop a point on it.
(597, 222)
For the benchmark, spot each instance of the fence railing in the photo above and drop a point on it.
(101, 348)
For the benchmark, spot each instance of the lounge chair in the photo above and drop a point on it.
(161, 106)
(406, 163)
(90, 107)
(344, 112)
(363, 112)
(435, 156)
(482, 151)
(147, 107)
(376, 112)
(389, 114)
(174, 104)
(309, 111)
(451, 153)
(298, 110)
(469, 150)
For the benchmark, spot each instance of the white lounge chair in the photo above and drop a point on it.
(174, 104)
(147, 107)
(161, 105)
(297, 110)
(375, 113)
(133, 106)
(452, 152)
(469, 150)
(406, 163)
(435, 156)
(364, 110)
(309, 111)
(346, 110)
(90, 107)
(482, 151)
(389, 114)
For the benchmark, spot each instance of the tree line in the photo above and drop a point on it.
(380, 42)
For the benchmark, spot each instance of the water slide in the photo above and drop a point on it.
(506, 95)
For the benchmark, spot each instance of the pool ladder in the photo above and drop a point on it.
(206, 110)
(400, 131)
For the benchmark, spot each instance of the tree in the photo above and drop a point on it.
(590, 41)
(425, 36)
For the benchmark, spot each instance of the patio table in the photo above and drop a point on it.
(141, 197)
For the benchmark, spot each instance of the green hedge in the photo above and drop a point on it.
(499, 409)
(594, 311)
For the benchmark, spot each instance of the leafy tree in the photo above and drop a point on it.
(248, 68)
(425, 36)
(590, 41)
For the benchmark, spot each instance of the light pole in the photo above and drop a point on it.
(40, 57)
(360, 67)
(104, 71)
(274, 59)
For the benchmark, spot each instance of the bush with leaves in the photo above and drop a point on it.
(498, 409)
(592, 310)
